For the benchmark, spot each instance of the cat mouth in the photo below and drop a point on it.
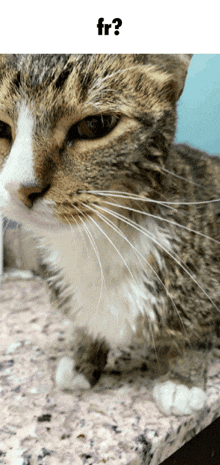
(35, 222)
(41, 217)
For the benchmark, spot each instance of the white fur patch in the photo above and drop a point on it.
(19, 164)
(18, 169)
(178, 399)
(67, 378)
(107, 283)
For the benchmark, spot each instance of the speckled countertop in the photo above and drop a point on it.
(114, 423)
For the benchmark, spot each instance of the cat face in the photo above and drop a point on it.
(72, 127)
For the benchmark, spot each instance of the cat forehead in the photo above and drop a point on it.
(52, 84)
(40, 69)
(63, 79)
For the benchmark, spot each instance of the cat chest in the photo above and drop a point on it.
(106, 279)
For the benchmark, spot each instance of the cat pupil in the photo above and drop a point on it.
(92, 127)
(5, 131)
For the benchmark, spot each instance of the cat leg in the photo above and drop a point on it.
(182, 390)
(84, 369)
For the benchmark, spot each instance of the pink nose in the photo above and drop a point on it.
(27, 193)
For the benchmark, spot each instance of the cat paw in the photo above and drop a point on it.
(178, 399)
(67, 378)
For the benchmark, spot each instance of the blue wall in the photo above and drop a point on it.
(199, 105)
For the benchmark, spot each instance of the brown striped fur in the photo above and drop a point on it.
(137, 157)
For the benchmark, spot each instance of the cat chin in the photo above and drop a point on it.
(40, 221)
(36, 226)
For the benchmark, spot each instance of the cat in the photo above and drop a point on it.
(128, 223)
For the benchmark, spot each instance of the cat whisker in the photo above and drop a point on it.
(154, 344)
(144, 199)
(103, 285)
(114, 246)
(192, 203)
(181, 177)
(81, 233)
(94, 246)
(138, 253)
(116, 229)
(163, 219)
(172, 255)
(128, 196)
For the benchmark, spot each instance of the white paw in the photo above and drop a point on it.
(69, 379)
(177, 399)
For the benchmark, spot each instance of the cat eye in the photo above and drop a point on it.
(5, 131)
(92, 127)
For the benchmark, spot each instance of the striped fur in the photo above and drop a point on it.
(122, 262)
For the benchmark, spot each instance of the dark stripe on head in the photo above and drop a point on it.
(63, 76)
(17, 80)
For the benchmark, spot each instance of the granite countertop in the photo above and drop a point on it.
(114, 423)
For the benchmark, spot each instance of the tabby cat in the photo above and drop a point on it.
(128, 223)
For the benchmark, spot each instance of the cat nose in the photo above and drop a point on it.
(28, 192)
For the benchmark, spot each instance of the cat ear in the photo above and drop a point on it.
(176, 66)
(2, 57)
(170, 71)
(185, 57)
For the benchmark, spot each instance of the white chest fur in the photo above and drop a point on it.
(106, 276)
